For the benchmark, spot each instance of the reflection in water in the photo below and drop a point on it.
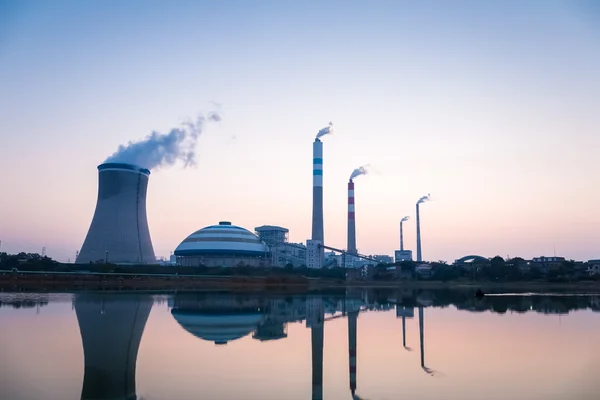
(404, 312)
(111, 329)
(218, 319)
(315, 321)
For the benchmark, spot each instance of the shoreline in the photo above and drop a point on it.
(49, 281)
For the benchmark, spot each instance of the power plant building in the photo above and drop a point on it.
(402, 255)
(222, 245)
(119, 230)
(282, 252)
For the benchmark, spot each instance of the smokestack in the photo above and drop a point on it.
(351, 248)
(317, 215)
(401, 233)
(401, 238)
(352, 322)
(419, 258)
(119, 230)
(421, 200)
(111, 330)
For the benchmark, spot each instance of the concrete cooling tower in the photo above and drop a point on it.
(119, 231)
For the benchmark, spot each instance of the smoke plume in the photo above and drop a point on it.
(359, 171)
(405, 219)
(164, 150)
(424, 199)
(325, 131)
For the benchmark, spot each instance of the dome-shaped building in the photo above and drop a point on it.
(222, 245)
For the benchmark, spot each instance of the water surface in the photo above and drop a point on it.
(359, 344)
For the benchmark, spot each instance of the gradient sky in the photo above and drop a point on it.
(492, 107)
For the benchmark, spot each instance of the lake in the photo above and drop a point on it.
(346, 344)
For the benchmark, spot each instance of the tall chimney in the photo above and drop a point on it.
(351, 248)
(419, 258)
(401, 237)
(111, 330)
(119, 230)
(317, 214)
(352, 322)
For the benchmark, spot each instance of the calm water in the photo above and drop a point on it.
(375, 344)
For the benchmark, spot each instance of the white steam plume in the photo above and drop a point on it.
(325, 131)
(360, 171)
(424, 199)
(163, 150)
(405, 219)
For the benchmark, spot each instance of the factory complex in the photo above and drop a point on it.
(119, 231)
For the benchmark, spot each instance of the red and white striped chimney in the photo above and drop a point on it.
(351, 248)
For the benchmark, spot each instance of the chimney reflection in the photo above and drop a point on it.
(422, 342)
(111, 328)
(404, 312)
(315, 315)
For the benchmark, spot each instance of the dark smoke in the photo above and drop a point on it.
(359, 171)
(325, 131)
(164, 150)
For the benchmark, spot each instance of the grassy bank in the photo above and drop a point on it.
(52, 281)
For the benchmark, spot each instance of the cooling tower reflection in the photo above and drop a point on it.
(111, 327)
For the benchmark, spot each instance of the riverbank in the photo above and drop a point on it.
(53, 281)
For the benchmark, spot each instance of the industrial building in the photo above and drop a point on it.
(119, 230)
(222, 245)
(282, 251)
(402, 255)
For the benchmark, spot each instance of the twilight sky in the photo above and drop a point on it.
(492, 107)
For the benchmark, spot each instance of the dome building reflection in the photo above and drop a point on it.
(217, 318)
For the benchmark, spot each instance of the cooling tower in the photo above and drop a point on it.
(317, 215)
(419, 258)
(351, 248)
(119, 230)
(111, 328)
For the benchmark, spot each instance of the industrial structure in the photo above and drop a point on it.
(283, 252)
(402, 255)
(111, 329)
(119, 230)
(420, 201)
(351, 248)
(314, 253)
(222, 245)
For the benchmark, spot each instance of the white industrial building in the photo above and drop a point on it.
(282, 251)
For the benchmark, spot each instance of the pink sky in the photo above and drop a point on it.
(491, 108)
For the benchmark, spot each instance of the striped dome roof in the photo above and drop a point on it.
(222, 239)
